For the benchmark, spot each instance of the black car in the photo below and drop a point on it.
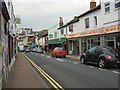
(102, 56)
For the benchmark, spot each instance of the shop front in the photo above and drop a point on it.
(102, 36)
(56, 43)
(78, 43)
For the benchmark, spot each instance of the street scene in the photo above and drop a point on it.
(60, 44)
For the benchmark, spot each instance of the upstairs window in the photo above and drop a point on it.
(107, 7)
(71, 28)
(55, 34)
(95, 20)
(117, 4)
(62, 31)
(87, 22)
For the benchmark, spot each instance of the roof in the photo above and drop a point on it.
(42, 34)
(76, 19)
(90, 11)
(62, 26)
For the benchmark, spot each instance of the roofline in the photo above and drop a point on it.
(90, 11)
(62, 26)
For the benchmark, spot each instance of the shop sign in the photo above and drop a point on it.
(50, 35)
(99, 31)
(73, 35)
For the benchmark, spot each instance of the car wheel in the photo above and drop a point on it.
(102, 63)
(82, 60)
(118, 65)
(64, 56)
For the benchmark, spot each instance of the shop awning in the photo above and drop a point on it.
(57, 41)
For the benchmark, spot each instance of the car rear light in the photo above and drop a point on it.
(108, 56)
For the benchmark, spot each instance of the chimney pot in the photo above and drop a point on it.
(92, 4)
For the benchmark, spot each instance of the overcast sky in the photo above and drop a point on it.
(43, 14)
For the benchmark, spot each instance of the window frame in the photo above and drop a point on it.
(95, 21)
(62, 31)
(116, 2)
(107, 6)
(87, 24)
(71, 28)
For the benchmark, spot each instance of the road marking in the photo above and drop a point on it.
(59, 60)
(91, 67)
(75, 62)
(48, 57)
(70, 61)
(116, 72)
(65, 60)
(84, 65)
(42, 54)
(102, 69)
(46, 76)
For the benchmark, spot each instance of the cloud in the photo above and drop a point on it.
(45, 14)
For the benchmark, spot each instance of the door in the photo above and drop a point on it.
(98, 52)
(90, 54)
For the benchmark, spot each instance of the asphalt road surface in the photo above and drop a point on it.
(70, 73)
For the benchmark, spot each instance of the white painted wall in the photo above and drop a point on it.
(62, 35)
(102, 18)
(52, 30)
(111, 16)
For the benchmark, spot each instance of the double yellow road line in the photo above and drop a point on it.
(46, 76)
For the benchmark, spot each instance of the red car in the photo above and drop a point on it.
(58, 52)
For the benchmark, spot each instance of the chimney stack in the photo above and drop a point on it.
(92, 4)
(61, 21)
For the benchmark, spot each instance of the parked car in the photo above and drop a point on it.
(39, 49)
(58, 52)
(102, 56)
(21, 48)
(27, 49)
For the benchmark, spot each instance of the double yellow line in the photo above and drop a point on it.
(46, 76)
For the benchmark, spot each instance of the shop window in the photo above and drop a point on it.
(95, 20)
(107, 7)
(62, 31)
(87, 22)
(117, 4)
(71, 28)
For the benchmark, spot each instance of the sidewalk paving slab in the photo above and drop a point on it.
(23, 76)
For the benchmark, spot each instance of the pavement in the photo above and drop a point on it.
(74, 56)
(22, 74)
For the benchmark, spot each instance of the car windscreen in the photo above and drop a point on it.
(109, 50)
(60, 48)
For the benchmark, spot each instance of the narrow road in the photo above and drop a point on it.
(73, 74)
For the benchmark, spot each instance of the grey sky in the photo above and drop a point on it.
(42, 14)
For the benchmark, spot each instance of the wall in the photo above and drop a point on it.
(52, 31)
(109, 17)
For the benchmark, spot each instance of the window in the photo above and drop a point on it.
(62, 31)
(95, 20)
(92, 50)
(87, 22)
(71, 28)
(98, 51)
(107, 7)
(55, 34)
(117, 4)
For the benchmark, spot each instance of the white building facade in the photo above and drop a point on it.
(97, 26)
